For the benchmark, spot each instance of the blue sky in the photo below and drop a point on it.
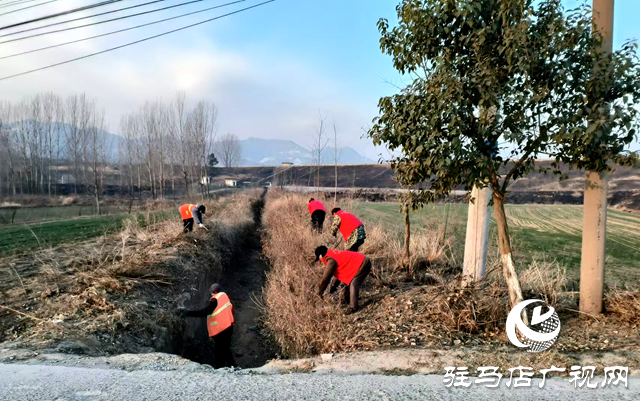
(270, 70)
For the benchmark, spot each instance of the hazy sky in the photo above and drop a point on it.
(270, 70)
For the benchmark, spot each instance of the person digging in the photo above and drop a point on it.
(318, 212)
(352, 230)
(350, 227)
(350, 268)
(192, 214)
(219, 313)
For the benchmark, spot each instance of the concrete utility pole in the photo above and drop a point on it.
(475, 246)
(595, 198)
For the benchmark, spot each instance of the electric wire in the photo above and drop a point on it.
(134, 42)
(70, 20)
(115, 19)
(107, 21)
(15, 3)
(25, 8)
(119, 30)
(74, 10)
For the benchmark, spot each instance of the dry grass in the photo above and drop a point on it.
(625, 305)
(423, 305)
(120, 288)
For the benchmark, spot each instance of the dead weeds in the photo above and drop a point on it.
(424, 307)
(116, 293)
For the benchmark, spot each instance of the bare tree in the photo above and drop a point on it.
(320, 142)
(5, 147)
(228, 149)
(179, 123)
(203, 121)
(336, 157)
(96, 151)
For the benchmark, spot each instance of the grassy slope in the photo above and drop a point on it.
(538, 231)
(23, 237)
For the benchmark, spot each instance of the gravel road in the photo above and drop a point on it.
(61, 383)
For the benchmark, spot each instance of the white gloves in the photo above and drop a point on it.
(202, 226)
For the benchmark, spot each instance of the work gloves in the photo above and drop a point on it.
(202, 226)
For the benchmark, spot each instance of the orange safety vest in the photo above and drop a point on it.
(185, 211)
(348, 264)
(222, 317)
(348, 223)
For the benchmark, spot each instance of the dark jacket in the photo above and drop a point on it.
(206, 311)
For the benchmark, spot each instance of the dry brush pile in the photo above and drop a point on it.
(117, 293)
(426, 306)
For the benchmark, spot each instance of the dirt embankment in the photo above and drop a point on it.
(242, 278)
(119, 293)
(421, 303)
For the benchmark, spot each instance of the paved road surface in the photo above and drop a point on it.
(61, 383)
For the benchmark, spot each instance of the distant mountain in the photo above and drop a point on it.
(272, 152)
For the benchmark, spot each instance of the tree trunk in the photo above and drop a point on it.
(510, 276)
(335, 189)
(407, 237)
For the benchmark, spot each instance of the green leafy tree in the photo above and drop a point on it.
(492, 84)
(212, 161)
(603, 113)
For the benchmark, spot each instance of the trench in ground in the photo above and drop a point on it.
(243, 280)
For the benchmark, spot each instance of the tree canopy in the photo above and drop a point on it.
(495, 85)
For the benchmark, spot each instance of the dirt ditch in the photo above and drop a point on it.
(120, 293)
(242, 280)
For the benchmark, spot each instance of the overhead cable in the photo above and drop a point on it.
(134, 42)
(118, 31)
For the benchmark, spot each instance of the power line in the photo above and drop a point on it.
(14, 3)
(25, 8)
(135, 42)
(74, 10)
(116, 19)
(119, 30)
(70, 20)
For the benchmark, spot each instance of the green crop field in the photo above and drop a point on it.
(549, 232)
(36, 214)
(16, 238)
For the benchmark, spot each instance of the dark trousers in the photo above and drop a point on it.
(222, 349)
(356, 245)
(317, 220)
(188, 224)
(351, 292)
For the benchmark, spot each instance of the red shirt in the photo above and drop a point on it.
(348, 223)
(348, 264)
(316, 205)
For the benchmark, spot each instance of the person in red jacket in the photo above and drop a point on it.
(350, 268)
(318, 212)
(219, 313)
(350, 227)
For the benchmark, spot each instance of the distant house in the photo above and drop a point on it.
(287, 163)
(66, 179)
(231, 183)
(205, 180)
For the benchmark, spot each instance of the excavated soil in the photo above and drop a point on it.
(119, 294)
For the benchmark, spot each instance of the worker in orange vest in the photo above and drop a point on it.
(350, 268)
(318, 212)
(192, 213)
(219, 313)
(350, 227)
